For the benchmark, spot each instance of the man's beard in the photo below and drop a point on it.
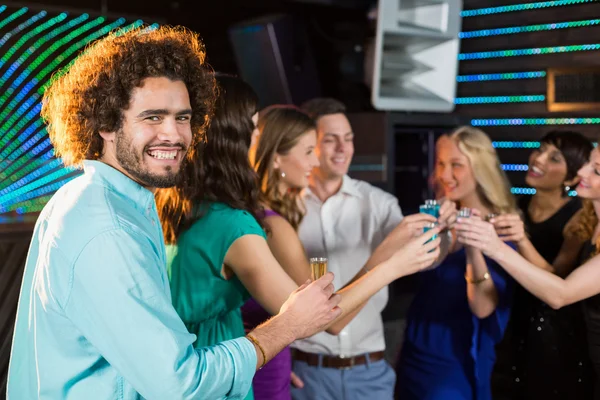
(132, 162)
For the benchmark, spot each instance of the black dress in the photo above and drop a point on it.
(591, 312)
(544, 352)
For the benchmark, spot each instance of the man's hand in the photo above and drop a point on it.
(311, 307)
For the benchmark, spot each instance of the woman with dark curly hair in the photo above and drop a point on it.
(581, 284)
(220, 255)
(95, 319)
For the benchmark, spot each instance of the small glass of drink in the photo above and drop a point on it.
(318, 267)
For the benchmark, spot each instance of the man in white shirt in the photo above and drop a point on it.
(346, 220)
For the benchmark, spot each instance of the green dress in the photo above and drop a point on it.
(208, 304)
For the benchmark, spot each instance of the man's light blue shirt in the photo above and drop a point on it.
(95, 319)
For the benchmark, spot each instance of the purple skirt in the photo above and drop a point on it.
(272, 382)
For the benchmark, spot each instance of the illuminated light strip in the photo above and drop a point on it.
(515, 145)
(28, 173)
(12, 17)
(528, 52)
(36, 193)
(39, 60)
(34, 185)
(30, 205)
(521, 7)
(531, 191)
(505, 167)
(33, 99)
(2, 8)
(55, 46)
(82, 43)
(528, 28)
(8, 172)
(32, 176)
(501, 76)
(22, 26)
(535, 121)
(33, 33)
(9, 152)
(34, 47)
(500, 99)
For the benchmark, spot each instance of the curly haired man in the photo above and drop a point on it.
(95, 319)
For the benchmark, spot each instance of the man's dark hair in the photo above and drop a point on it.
(321, 106)
(90, 95)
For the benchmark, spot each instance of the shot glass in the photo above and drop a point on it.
(318, 267)
(490, 216)
(464, 212)
(431, 207)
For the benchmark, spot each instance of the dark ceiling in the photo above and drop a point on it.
(334, 27)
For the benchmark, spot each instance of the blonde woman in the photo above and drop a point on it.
(462, 307)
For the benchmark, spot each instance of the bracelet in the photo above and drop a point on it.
(262, 351)
(485, 277)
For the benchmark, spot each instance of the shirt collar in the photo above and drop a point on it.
(349, 187)
(111, 178)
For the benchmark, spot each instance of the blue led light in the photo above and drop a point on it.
(528, 28)
(504, 144)
(500, 99)
(535, 121)
(501, 76)
(521, 7)
(505, 167)
(531, 191)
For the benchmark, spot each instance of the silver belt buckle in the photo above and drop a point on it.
(352, 363)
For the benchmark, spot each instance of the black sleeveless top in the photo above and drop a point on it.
(591, 312)
(544, 352)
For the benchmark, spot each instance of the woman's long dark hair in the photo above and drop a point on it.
(222, 171)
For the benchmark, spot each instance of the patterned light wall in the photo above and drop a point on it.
(33, 45)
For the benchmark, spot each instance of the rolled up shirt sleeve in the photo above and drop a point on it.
(119, 300)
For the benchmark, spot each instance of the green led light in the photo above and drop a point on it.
(35, 184)
(12, 17)
(528, 52)
(6, 173)
(27, 206)
(33, 33)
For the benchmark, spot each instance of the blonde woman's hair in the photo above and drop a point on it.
(493, 187)
(280, 129)
(584, 226)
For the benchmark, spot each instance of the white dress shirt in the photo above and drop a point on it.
(346, 229)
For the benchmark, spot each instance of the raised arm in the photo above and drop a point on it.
(582, 283)
(252, 261)
(510, 228)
